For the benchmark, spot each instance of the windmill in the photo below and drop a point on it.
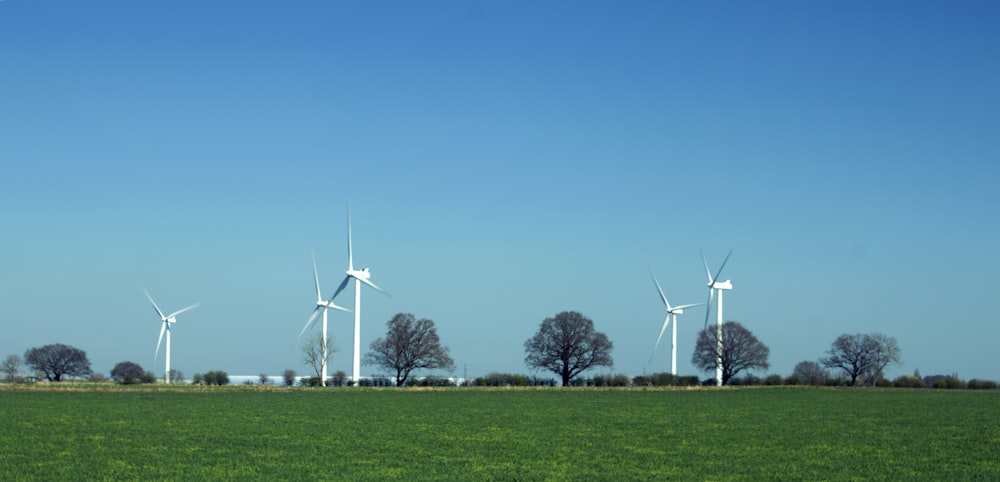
(359, 276)
(323, 306)
(165, 328)
(671, 311)
(714, 285)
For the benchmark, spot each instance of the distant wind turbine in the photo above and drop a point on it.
(714, 285)
(165, 328)
(359, 276)
(671, 311)
(321, 306)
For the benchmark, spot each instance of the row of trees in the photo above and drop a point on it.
(566, 344)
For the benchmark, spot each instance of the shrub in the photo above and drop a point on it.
(338, 379)
(217, 377)
(608, 381)
(908, 381)
(149, 377)
(774, 380)
(375, 381)
(976, 384)
(127, 373)
(949, 382)
(502, 380)
(666, 380)
(430, 382)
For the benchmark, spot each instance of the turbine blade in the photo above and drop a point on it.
(350, 250)
(183, 310)
(662, 296)
(681, 307)
(708, 306)
(666, 322)
(312, 318)
(369, 283)
(722, 266)
(163, 328)
(343, 284)
(708, 272)
(157, 308)
(319, 297)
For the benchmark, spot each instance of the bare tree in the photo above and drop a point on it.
(57, 360)
(312, 353)
(567, 345)
(810, 372)
(12, 365)
(176, 376)
(862, 357)
(741, 350)
(885, 352)
(289, 377)
(409, 344)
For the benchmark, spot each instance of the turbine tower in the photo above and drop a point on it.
(671, 311)
(359, 276)
(714, 285)
(165, 328)
(323, 306)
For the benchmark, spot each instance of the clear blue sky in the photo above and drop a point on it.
(505, 161)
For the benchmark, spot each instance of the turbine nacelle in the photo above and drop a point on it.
(721, 285)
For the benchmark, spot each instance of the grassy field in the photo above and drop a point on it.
(498, 434)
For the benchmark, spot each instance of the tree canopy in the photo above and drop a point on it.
(567, 345)
(741, 350)
(57, 360)
(128, 373)
(863, 357)
(409, 344)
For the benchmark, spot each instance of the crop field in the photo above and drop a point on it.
(192, 433)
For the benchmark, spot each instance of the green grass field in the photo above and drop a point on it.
(529, 434)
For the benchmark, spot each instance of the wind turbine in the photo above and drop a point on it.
(165, 327)
(323, 306)
(671, 311)
(715, 285)
(360, 276)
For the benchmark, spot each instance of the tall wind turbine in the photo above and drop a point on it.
(323, 306)
(165, 328)
(671, 311)
(714, 285)
(360, 276)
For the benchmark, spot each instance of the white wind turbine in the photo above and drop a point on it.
(715, 285)
(671, 311)
(165, 328)
(360, 276)
(323, 306)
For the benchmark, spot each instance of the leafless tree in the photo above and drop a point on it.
(312, 352)
(810, 372)
(863, 357)
(567, 345)
(409, 344)
(288, 377)
(741, 350)
(58, 360)
(11, 365)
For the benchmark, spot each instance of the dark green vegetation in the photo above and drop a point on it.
(198, 433)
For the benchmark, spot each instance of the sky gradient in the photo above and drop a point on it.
(503, 162)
